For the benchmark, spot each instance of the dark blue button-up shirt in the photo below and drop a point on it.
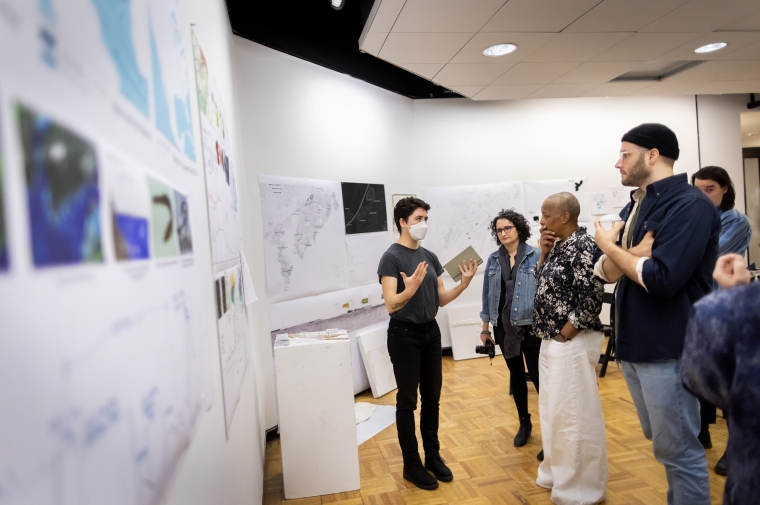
(652, 322)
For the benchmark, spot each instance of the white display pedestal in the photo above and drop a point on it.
(316, 417)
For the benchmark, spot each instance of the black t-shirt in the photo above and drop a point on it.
(423, 306)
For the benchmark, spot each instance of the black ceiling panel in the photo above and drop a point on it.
(313, 31)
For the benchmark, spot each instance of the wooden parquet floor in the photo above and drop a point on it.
(478, 422)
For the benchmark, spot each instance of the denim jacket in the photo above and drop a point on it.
(525, 289)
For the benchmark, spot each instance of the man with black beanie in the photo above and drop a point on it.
(662, 256)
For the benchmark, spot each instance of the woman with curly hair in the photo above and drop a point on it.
(508, 291)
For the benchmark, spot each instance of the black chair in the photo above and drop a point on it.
(609, 331)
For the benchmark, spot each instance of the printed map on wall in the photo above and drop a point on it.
(102, 393)
(537, 191)
(460, 216)
(304, 237)
(224, 228)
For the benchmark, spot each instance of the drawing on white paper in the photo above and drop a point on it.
(304, 246)
(364, 253)
(460, 216)
(538, 191)
(620, 196)
(599, 203)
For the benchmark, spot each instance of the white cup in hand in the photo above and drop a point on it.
(608, 221)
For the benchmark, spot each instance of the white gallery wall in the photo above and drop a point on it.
(302, 120)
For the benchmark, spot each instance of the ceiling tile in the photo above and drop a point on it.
(577, 46)
(735, 40)
(400, 48)
(373, 42)
(666, 88)
(386, 15)
(708, 71)
(426, 70)
(468, 91)
(617, 88)
(508, 92)
(445, 15)
(645, 46)
(535, 73)
(527, 44)
(750, 71)
(562, 90)
(596, 72)
(470, 74)
(750, 52)
(624, 15)
(538, 15)
(703, 16)
(750, 22)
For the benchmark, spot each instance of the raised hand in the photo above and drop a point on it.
(731, 271)
(414, 281)
(468, 269)
(547, 240)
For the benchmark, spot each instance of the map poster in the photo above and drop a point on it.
(304, 237)
(364, 209)
(460, 216)
(224, 230)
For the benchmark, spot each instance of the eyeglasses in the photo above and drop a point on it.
(623, 154)
(506, 229)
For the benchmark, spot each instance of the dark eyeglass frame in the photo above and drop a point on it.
(506, 229)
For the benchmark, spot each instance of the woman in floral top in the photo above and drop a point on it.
(566, 316)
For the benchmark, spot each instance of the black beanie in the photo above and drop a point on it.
(654, 135)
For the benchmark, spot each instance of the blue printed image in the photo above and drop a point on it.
(63, 197)
(130, 236)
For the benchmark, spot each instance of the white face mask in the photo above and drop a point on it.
(418, 231)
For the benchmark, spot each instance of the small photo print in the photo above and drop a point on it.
(163, 222)
(182, 214)
(62, 192)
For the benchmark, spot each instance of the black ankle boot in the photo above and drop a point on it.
(722, 467)
(523, 434)
(704, 437)
(418, 476)
(438, 467)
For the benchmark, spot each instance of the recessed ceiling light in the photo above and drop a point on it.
(337, 4)
(710, 47)
(500, 50)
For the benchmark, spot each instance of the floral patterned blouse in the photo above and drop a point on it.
(567, 288)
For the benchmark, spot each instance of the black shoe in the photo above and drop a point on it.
(418, 476)
(704, 438)
(523, 434)
(439, 469)
(540, 456)
(721, 468)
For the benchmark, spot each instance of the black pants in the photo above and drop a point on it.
(415, 351)
(530, 348)
(708, 414)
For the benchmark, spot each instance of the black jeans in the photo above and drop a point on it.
(415, 351)
(530, 348)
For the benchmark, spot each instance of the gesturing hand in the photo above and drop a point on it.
(731, 271)
(413, 282)
(468, 269)
(605, 238)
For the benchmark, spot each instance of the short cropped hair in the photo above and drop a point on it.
(567, 202)
(720, 176)
(406, 207)
(517, 219)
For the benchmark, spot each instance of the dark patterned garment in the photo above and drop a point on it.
(567, 288)
(721, 364)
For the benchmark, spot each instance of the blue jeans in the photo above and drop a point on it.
(669, 417)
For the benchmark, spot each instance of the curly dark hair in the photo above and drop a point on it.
(517, 219)
(406, 207)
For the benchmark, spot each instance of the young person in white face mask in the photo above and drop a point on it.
(413, 290)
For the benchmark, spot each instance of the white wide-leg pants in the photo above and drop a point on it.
(572, 421)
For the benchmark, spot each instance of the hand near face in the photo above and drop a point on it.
(731, 271)
(605, 238)
(468, 269)
(547, 240)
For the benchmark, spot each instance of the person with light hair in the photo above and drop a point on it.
(566, 316)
